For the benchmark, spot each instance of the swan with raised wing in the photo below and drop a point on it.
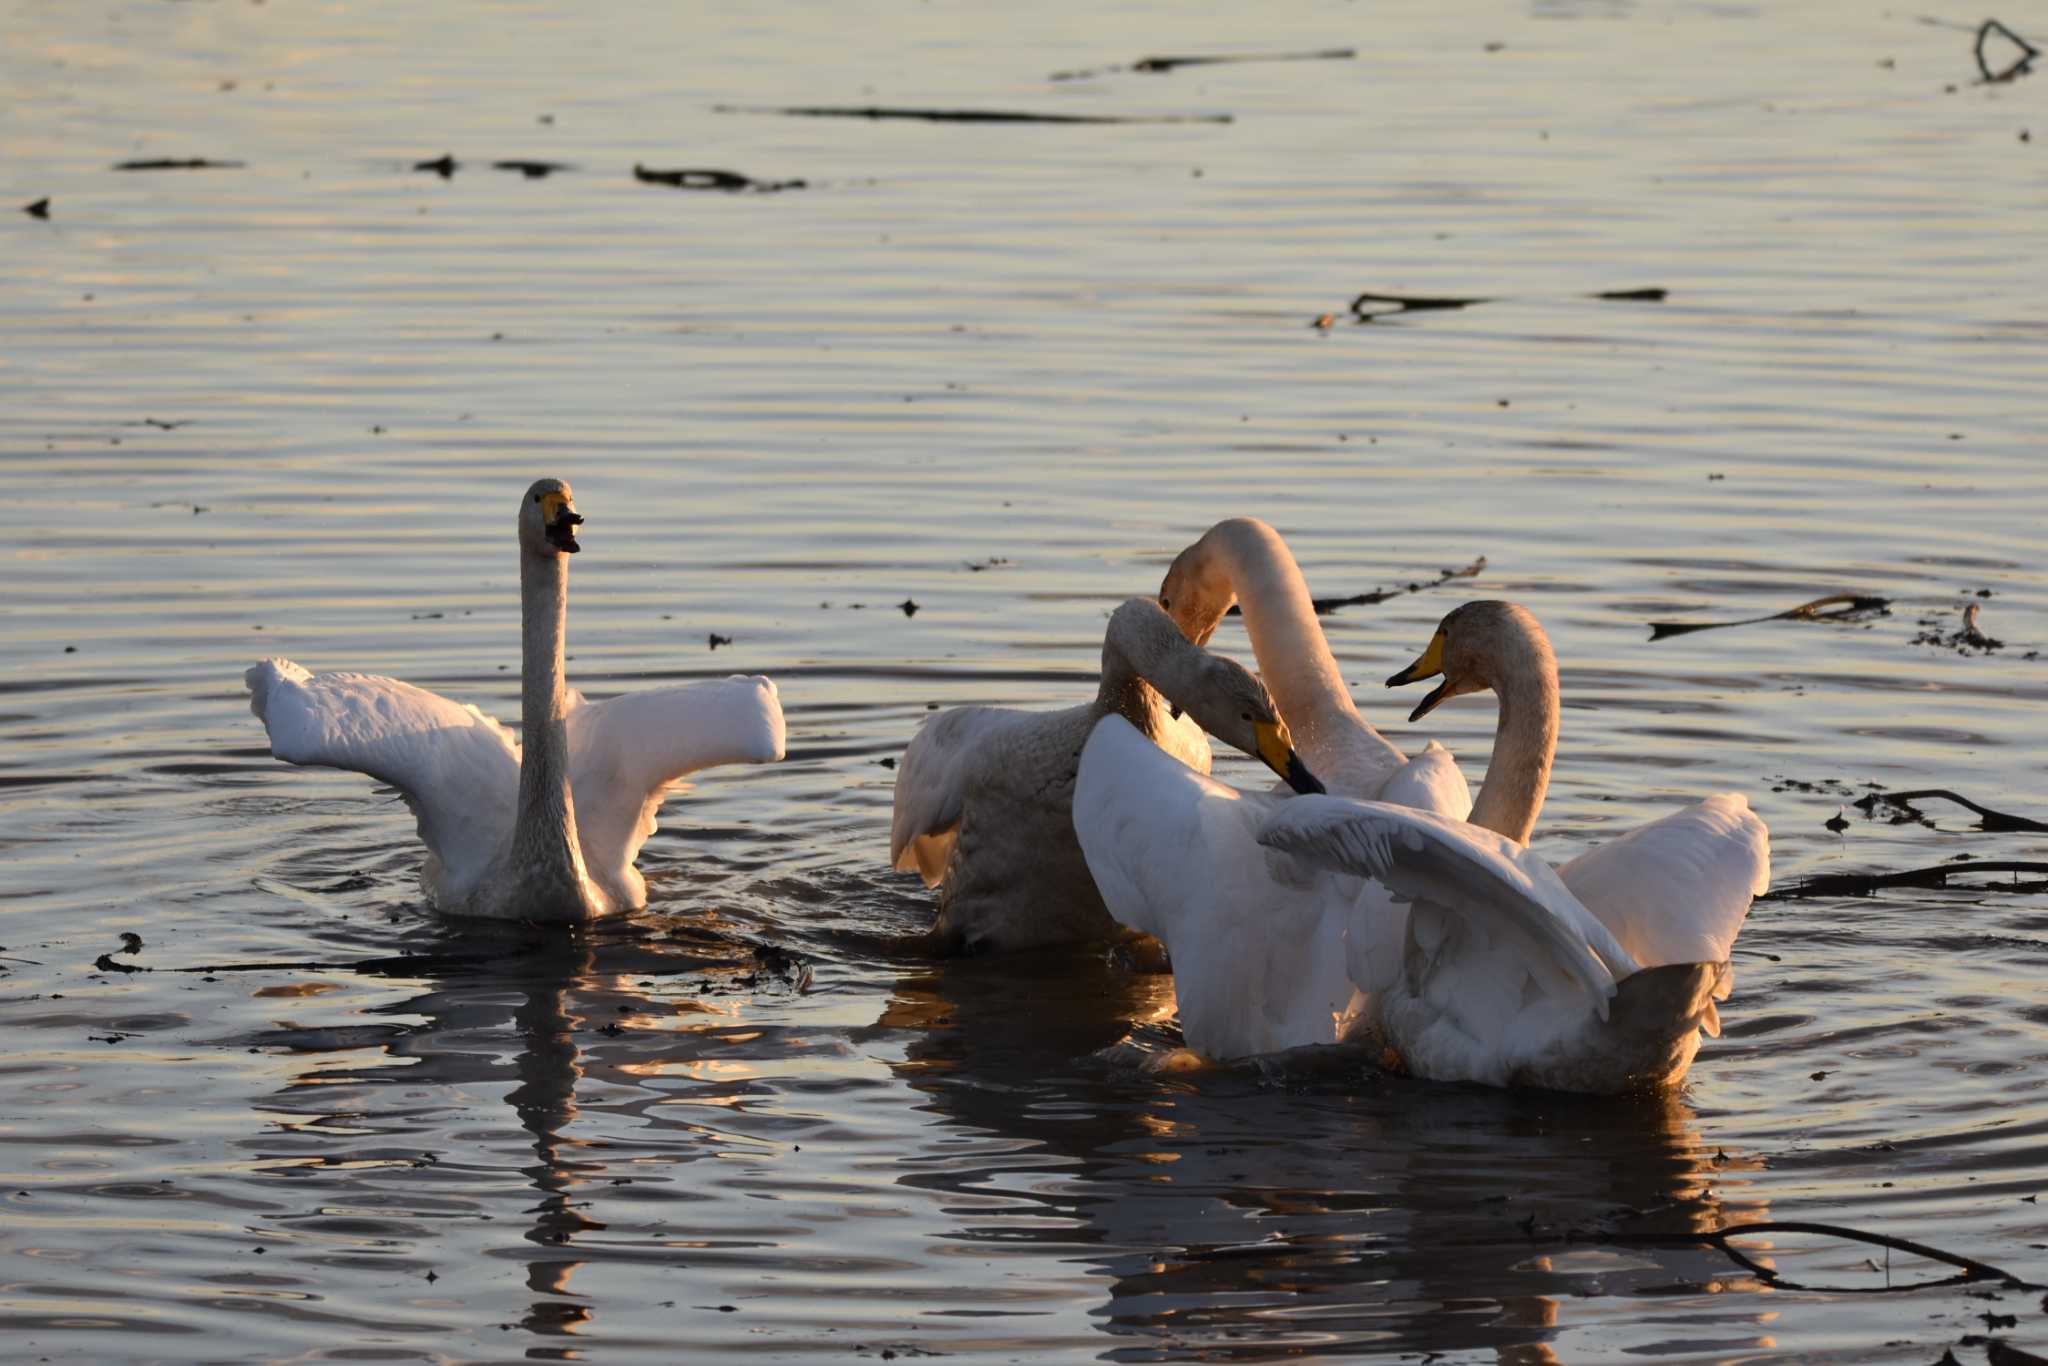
(1598, 976)
(546, 827)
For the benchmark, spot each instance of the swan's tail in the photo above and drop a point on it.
(1657, 1016)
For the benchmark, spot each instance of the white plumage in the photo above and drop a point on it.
(1303, 920)
(550, 831)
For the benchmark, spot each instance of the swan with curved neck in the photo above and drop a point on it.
(1498, 647)
(984, 795)
(544, 830)
(1301, 920)
(1244, 561)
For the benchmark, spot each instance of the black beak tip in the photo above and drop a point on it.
(1396, 680)
(1301, 780)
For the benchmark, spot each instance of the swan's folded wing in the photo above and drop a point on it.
(1258, 959)
(626, 752)
(456, 767)
(1463, 869)
(1431, 781)
(1676, 890)
(933, 779)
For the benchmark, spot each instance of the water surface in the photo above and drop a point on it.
(1003, 372)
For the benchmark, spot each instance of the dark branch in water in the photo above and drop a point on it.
(178, 164)
(1369, 306)
(532, 170)
(1970, 1268)
(2019, 66)
(1162, 65)
(731, 181)
(1994, 822)
(1833, 607)
(1325, 606)
(1865, 884)
(838, 111)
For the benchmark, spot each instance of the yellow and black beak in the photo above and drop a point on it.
(1276, 747)
(1427, 665)
(559, 521)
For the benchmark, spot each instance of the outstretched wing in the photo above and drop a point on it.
(1677, 890)
(627, 752)
(457, 768)
(1460, 870)
(932, 783)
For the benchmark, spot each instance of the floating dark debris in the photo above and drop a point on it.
(532, 170)
(876, 111)
(39, 209)
(1968, 1268)
(1992, 822)
(1968, 640)
(908, 607)
(1834, 607)
(730, 181)
(1161, 65)
(1865, 884)
(444, 166)
(179, 164)
(718, 640)
(1325, 606)
(1366, 307)
(2019, 66)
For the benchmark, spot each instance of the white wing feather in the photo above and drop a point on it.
(457, 768)
(1431, 781)
(1465, 870)
(627, 753)
(1677, 890)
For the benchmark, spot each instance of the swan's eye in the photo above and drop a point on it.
(536, 498)
(1164, 603)
(1245, 717)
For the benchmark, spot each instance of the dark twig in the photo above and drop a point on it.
(1845, 607)
(1864, 884)
(2020, 66)
(1324, 606)
(693, 179)
(838, 111)
(1971, 1269)
(1369, 306)
(1162, 65)
(1995, 822)
(178, 164)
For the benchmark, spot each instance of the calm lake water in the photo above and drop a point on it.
(1002, 371)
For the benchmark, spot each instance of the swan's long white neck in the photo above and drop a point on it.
(1280, 618)
(1524, 677)
(544, 846)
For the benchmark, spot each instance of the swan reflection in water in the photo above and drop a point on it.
(1309, 1204)
(556, 1013)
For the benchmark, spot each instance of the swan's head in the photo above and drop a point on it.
(548, 519)
(1197, 590)
(1234, 706)
(1476, 647)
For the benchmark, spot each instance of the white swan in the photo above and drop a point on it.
(1243, 560)
(984, 795)
(1598, 976)
(547, 830)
